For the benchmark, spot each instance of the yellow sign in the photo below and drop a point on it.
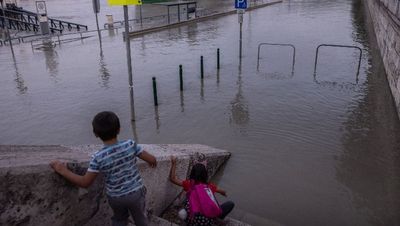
(124, 2)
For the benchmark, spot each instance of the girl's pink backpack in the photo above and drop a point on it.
(202, 200)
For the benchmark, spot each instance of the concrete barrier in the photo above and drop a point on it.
(385, 15)
(32, 194)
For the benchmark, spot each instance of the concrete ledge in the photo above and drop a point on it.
(195, 20)
(32, 194)
(387, 31)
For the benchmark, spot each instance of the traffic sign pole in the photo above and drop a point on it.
(96, 10)
(240, 5)
(240, 40)
(125, 4)
(128, 45)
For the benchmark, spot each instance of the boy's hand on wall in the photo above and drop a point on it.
(58, 166)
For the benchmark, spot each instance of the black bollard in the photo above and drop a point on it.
(155, 91)
(218, 58)
(180, 77)
(201, 67)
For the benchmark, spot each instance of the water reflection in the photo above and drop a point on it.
(370, 163)
(358, 23)
(51, 58)
(202, 90)
(192, 32)
(239, 107)
(143, 45)
(217, 78)
(111, 33)
(22, 88)
(104, 73)
(133, 114)
(157, 119)
(182, 98)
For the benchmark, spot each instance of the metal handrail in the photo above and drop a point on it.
(276, 44)
(340, 46)
(20, 18)
(21, 39)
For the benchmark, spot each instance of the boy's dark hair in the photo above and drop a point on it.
(106, 125)
(199, 173)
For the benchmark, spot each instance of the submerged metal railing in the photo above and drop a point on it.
(24, 20)
(277, 44)
(340, 46)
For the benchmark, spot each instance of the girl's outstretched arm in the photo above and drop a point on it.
(222, 192)
(172, 174)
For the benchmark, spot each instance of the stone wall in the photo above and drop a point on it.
(385, 15)
(32, 194)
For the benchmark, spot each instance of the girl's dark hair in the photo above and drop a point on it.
(106, 125)
(199, 173)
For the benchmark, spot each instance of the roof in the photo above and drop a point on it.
(175, 3)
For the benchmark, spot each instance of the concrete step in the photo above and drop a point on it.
(158, 221)
(253, 219)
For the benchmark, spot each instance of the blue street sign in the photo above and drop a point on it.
(241, 4)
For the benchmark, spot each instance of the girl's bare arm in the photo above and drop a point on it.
(172, 173)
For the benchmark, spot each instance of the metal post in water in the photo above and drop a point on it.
(98, 28)
(128, 58)
(201, 67)
(99, 34)
(132, 102)
(155, 91)
(180, 78)
(240, 13)
(218, 58)
(240, 41)
(128, 45)
(141, 17)
(96, 10)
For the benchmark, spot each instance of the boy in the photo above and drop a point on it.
(117, 161)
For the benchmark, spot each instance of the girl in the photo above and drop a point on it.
(199, 175)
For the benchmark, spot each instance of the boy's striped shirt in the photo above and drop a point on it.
(118, 164)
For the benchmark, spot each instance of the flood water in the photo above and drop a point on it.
(306, 150)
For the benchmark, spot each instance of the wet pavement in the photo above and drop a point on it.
(307, 150)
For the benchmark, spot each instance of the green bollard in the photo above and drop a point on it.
(180, 77)
(155, 91)
(218, 58)
(201, 67)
